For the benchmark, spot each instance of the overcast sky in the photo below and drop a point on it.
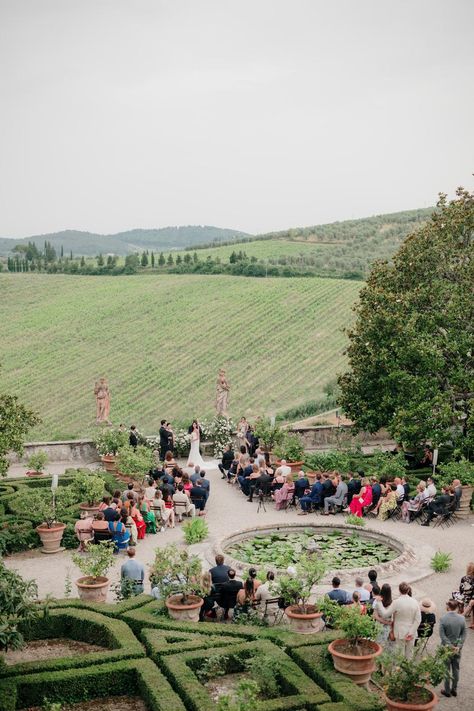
(251, 114)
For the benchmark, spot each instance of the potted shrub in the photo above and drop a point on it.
(49, 508)
(177, 575)
(355, 654)
(269, 435)
(95, 564)
(291, 449)
(89, 489)
(134, 464)
(37, 463)
(463, 470)
(303, 617)
(405, 680)
(108, 443)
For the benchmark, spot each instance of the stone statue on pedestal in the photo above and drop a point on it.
(102, 399)
(222, 394)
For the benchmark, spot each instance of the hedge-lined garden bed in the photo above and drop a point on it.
(169, 678)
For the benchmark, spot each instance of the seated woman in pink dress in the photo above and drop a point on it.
(283, 495)
(364, 499)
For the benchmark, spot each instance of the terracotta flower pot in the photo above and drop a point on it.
(93, 591)
(304, 623)
(51, 537)
(405, 706)
(34, 473)
(359, 668)
(89, 509)
(294, 466)
(188, 612)
(109, 462)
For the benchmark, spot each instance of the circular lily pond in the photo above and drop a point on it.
(339, 549)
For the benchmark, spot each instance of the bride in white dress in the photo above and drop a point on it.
(194, 453)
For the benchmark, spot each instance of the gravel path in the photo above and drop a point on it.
(228, 512)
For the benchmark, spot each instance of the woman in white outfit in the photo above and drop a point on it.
(194, 453)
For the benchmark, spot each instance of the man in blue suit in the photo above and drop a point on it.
(313, 498)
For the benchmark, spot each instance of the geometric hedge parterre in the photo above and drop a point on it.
(156, 658)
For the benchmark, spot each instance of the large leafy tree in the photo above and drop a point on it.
(15, 421)
(411, 351)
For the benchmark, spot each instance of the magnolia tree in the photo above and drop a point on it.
(411, 351)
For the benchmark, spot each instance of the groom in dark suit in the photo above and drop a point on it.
(164, 439)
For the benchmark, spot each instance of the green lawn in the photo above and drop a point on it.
(160, 340)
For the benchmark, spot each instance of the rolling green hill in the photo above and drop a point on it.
(160, 340)
(90, 243)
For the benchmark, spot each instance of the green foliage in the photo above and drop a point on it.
(386, 464)
(88, 487)
(269, 435)
(175, 572)
(410, 352)
(41, 507)
(212, 666)
(461, 469)
(96, 561)
(265, 671)
(339, 460)
(109, 441)
(402, 676)
(38, 461)
(354, 520)
(195, 530)
(135, 463)
(17, 607)
(356, 627)
(15, 421)
(51, 705)
(441, 562)
(297, 590)
(244, 699)
(124, 589)
(290, 448)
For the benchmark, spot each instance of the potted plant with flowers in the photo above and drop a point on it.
(108, 442)
(95, 564)
(354, 655)
(178, 577)
(295, 590)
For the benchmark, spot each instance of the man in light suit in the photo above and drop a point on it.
(406, 620)
(338, 498)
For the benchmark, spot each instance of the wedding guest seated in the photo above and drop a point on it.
(376, 491)
(457, 488)
(372, 586)
(120, 535)
(406, 489)
(84, 531)
(313, 499)
(129, 524)
(195, 474)
(219, 573)
(329, 486)
(150, 489)
(284, 495)
(185, 506)
(105, 503)
(244, 476)
(227, 459)
(388, 503)
(301, 484)
(342, 597)
(100, 528)
(162, 513)
(267, 591)
(359, 503)
(353, 486)
(338, 498)
(430, 488)
(169, 507)
(414, 505)
(245, 600)
(440, 505)
(355, 602)
(148, 516)
(209, 596)
(259, 481)
(283, 469)
(129, 490)
(137, 516)
(205, 483)
(169, 462)
(186, 483)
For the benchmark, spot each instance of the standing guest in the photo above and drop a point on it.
(382, 613)
(406, 620)
(198, 497)
(301, 484)
(120, 535)
(353, 487)
(228, 593)
(133, 437)
(227, 459)
(163, 440)
(219, 573)
(359, 503)
(170, 433)
(406, 489)
(465, 594)
(428, 619)
(452, 630)
(251, 441)
(338, 498)
(133, 570)
(84, 531)
(372, 586)
(337, 594)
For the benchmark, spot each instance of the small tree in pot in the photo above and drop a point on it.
(177, 575)
(355, 654)
(88, 488)
(295, 590)
(95, 564)
(37, 463)
(405, 680)
(269, 435)
(108, 443)
(48, 508)
(291, 449)
(135, 463)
